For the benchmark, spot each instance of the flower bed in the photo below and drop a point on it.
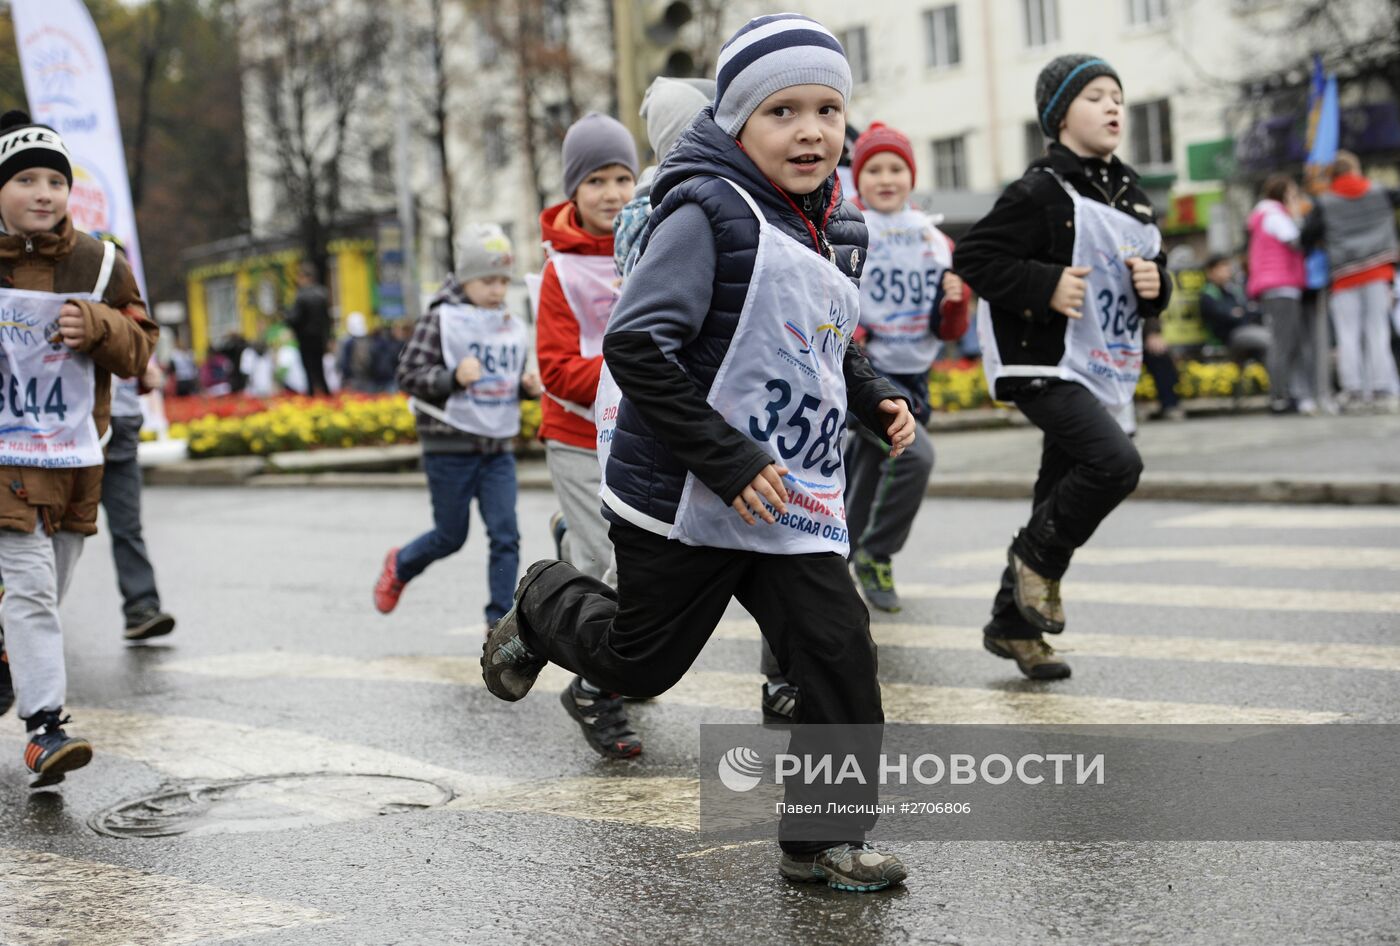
(239, 426)
(300, 423)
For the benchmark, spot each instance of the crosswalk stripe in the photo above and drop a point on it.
(192, 748)
(1287, 517)
(904, 702)
(1341, 558)
(107, 905)
(1222, 597)
(1271, 653)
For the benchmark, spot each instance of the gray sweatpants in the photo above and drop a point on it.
(121, 498)
(884, 494)
(37, 569)
(1291, 350)
(577, 480)
(1365, 363)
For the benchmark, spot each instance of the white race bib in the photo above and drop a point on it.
(782, 383)
(490, 406)
(903, 273)
(591, 287)
(46, 388)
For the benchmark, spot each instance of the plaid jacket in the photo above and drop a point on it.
(422, 374)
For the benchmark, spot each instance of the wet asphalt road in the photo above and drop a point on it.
(280, 665)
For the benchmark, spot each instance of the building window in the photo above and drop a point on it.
(1151, 126)
(1041, 22)
(493, 142)
(1146, 12)
(857, 52)
(941, 34)
(381, 161)
(950, 164)
(1035, 141)
(554, 22)
(221, 308)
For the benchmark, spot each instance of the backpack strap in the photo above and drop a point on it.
(104, 275)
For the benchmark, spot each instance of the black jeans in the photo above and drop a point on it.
(1088, 465)
(312, 349)
(642, 637)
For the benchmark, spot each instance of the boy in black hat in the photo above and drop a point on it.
(1068, 265)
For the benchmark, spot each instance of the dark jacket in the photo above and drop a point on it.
(311, 313)
(1222, 311)
(665, 427)
(1013, 257)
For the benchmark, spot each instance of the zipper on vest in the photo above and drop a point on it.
(29, 245)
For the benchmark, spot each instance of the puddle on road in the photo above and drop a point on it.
(267, 803)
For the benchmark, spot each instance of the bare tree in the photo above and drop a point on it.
(313, 62)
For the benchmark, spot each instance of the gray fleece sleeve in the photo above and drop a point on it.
(668, 292)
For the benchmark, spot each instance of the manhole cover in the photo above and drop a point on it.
(267, 803)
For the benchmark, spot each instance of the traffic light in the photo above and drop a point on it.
(661, 51)
(651, 41)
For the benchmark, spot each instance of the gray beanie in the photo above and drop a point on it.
(484, 250)
(771, 53)
(669, 107)
(593, 142)
(1060, 82)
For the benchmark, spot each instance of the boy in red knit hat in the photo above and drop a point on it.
(911, 302)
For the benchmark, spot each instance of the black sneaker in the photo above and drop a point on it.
(603, 720)
(52, 753)
(7, 685)
(148, 624)
(508, 667)
(876, 580)
(557, 527)
(780, 705)
(856, 868)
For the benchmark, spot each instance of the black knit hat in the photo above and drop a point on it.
(1060, 82)
(25, 145)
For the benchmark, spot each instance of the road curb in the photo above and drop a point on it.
(1179, 487)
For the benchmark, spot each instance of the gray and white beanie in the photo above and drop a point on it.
(483, 250)
(770, 53)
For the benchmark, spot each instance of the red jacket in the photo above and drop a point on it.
(564, 371)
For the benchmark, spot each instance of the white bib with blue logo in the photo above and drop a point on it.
(782, 384)
(489, 406)
(903, 275)
(47, 389)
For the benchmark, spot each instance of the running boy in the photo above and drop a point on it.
(1068, 264)
(911, 301)
(578, 290)
(731, 348)
(73, 317)
(464, 367)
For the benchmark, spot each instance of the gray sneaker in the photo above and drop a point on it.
(507, 665)
(876, 580)
(1037, 597)
(856, 868)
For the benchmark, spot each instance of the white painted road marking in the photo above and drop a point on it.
(1269, 653)
(1310, 558)
(904, 702)
(1149, 595)
(1288, 517)
(48, 900)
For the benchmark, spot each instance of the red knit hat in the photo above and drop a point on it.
(880, 137)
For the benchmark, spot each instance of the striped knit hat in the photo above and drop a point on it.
(771, 53)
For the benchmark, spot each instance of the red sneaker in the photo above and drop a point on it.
(388, 588)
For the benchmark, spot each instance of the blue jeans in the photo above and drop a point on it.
(454, 480)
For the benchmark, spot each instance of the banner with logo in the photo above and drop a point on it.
(70, 90)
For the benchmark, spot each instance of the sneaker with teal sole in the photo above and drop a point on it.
(850, 867)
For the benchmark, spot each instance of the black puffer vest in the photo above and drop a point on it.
(641, 472)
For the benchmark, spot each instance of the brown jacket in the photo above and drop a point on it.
(120, 339)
